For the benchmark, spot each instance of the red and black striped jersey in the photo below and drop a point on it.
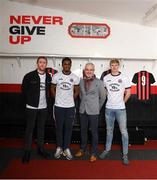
(143, 79)
(51, 71)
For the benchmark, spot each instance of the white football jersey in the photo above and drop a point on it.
(65, 89)
(116, 85)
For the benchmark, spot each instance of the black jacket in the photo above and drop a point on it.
(31, 88)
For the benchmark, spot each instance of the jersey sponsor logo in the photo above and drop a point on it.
(114, 87)
(42, 86)
(65, 86)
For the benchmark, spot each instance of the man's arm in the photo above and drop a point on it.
(76, 91)
(25, 84)
(102, 94)
(53, 90)
(127, 94)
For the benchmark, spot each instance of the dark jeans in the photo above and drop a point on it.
(92, 120)
(33, 116)
(64, 118)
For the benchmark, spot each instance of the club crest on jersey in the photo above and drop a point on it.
(119, 80)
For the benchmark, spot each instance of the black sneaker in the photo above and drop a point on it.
(42, 152)
(26, 157)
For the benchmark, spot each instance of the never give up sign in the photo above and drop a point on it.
(23, 27)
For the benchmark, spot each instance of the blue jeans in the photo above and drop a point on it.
(120, 116)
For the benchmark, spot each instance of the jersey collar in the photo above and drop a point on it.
(66, 74)
(115, 75)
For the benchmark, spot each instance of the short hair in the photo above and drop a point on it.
(90, 64)
(114, 61)
(66, 59)
(41, 57)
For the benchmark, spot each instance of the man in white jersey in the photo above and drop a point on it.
(65, 87)
(118, 92)
(36, 86)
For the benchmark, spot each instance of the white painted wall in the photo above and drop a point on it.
(13, 69)
(135, 44)
(126, 40)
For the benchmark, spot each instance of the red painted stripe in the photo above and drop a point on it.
(16, 88)
(153, 89)
(133, 89)
(139, 86)
(147, 86)
(143, 88)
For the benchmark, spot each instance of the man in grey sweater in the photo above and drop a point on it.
(92, 95)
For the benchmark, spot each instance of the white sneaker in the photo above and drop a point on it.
(67, 154)
(58, 152)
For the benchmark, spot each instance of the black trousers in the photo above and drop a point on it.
(64, 118)
(34, 116)
(91, 121)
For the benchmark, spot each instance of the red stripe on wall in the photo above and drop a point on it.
(153, 89)
(15, 88)
(133, 89)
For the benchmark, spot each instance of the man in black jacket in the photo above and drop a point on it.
(36, 90)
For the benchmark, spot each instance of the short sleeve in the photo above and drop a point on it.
(127, 82)
(152, 79)
(102, 76)
(105, 73)
(135, 78)
(54, 79)
(76, 80)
